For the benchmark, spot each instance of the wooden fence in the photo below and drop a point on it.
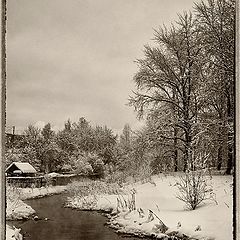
(41, 181)
(24, 182)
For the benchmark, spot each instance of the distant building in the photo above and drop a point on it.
(21, 169)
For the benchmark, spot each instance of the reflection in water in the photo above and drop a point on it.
(64, 223)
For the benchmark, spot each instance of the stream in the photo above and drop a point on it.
(64, 223)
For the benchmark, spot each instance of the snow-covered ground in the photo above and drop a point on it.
(18, 210)
(211, 220)
(13, 233)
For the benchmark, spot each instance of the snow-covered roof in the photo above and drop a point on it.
(24, 167)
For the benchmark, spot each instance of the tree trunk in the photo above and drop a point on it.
(230, 160)
(47, 167)
(175, 134)
(185, 158)
(176, 160)
(175, 151)
(230, 114)
(220, 157)
(222, 145)
(188, 163)
(220, 135)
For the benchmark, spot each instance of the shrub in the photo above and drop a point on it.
(128, 201)
(97, 164)
(66, 168)
(89, 163)
(83, 168)
(90, 187)
(193, 188)
(118, 177)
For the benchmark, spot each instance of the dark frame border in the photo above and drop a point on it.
(3, 119)
(236, 175)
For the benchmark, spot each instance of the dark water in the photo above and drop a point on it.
(64, 223)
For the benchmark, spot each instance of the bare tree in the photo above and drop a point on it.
(216, 21)
(169, 74)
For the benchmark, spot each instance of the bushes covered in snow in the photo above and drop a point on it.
(193, 188)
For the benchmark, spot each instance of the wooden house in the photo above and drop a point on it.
(21, 169)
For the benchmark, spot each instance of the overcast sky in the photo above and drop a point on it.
(75, 58)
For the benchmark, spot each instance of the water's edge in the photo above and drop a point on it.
(57, 222)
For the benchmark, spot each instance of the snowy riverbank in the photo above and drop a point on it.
(17, 209)
(29, 193)
(211, 220)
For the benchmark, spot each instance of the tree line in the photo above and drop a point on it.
(185, 86)
(184, 92)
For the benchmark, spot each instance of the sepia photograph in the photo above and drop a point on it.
(119, 120)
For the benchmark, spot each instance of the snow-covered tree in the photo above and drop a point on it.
(169, 74)
(217, 23)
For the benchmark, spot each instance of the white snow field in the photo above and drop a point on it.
(211, 220)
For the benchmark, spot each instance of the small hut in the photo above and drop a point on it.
(21, 169)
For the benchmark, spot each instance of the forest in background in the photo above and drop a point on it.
(184, 91)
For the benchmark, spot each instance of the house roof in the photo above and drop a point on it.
(23, 166)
